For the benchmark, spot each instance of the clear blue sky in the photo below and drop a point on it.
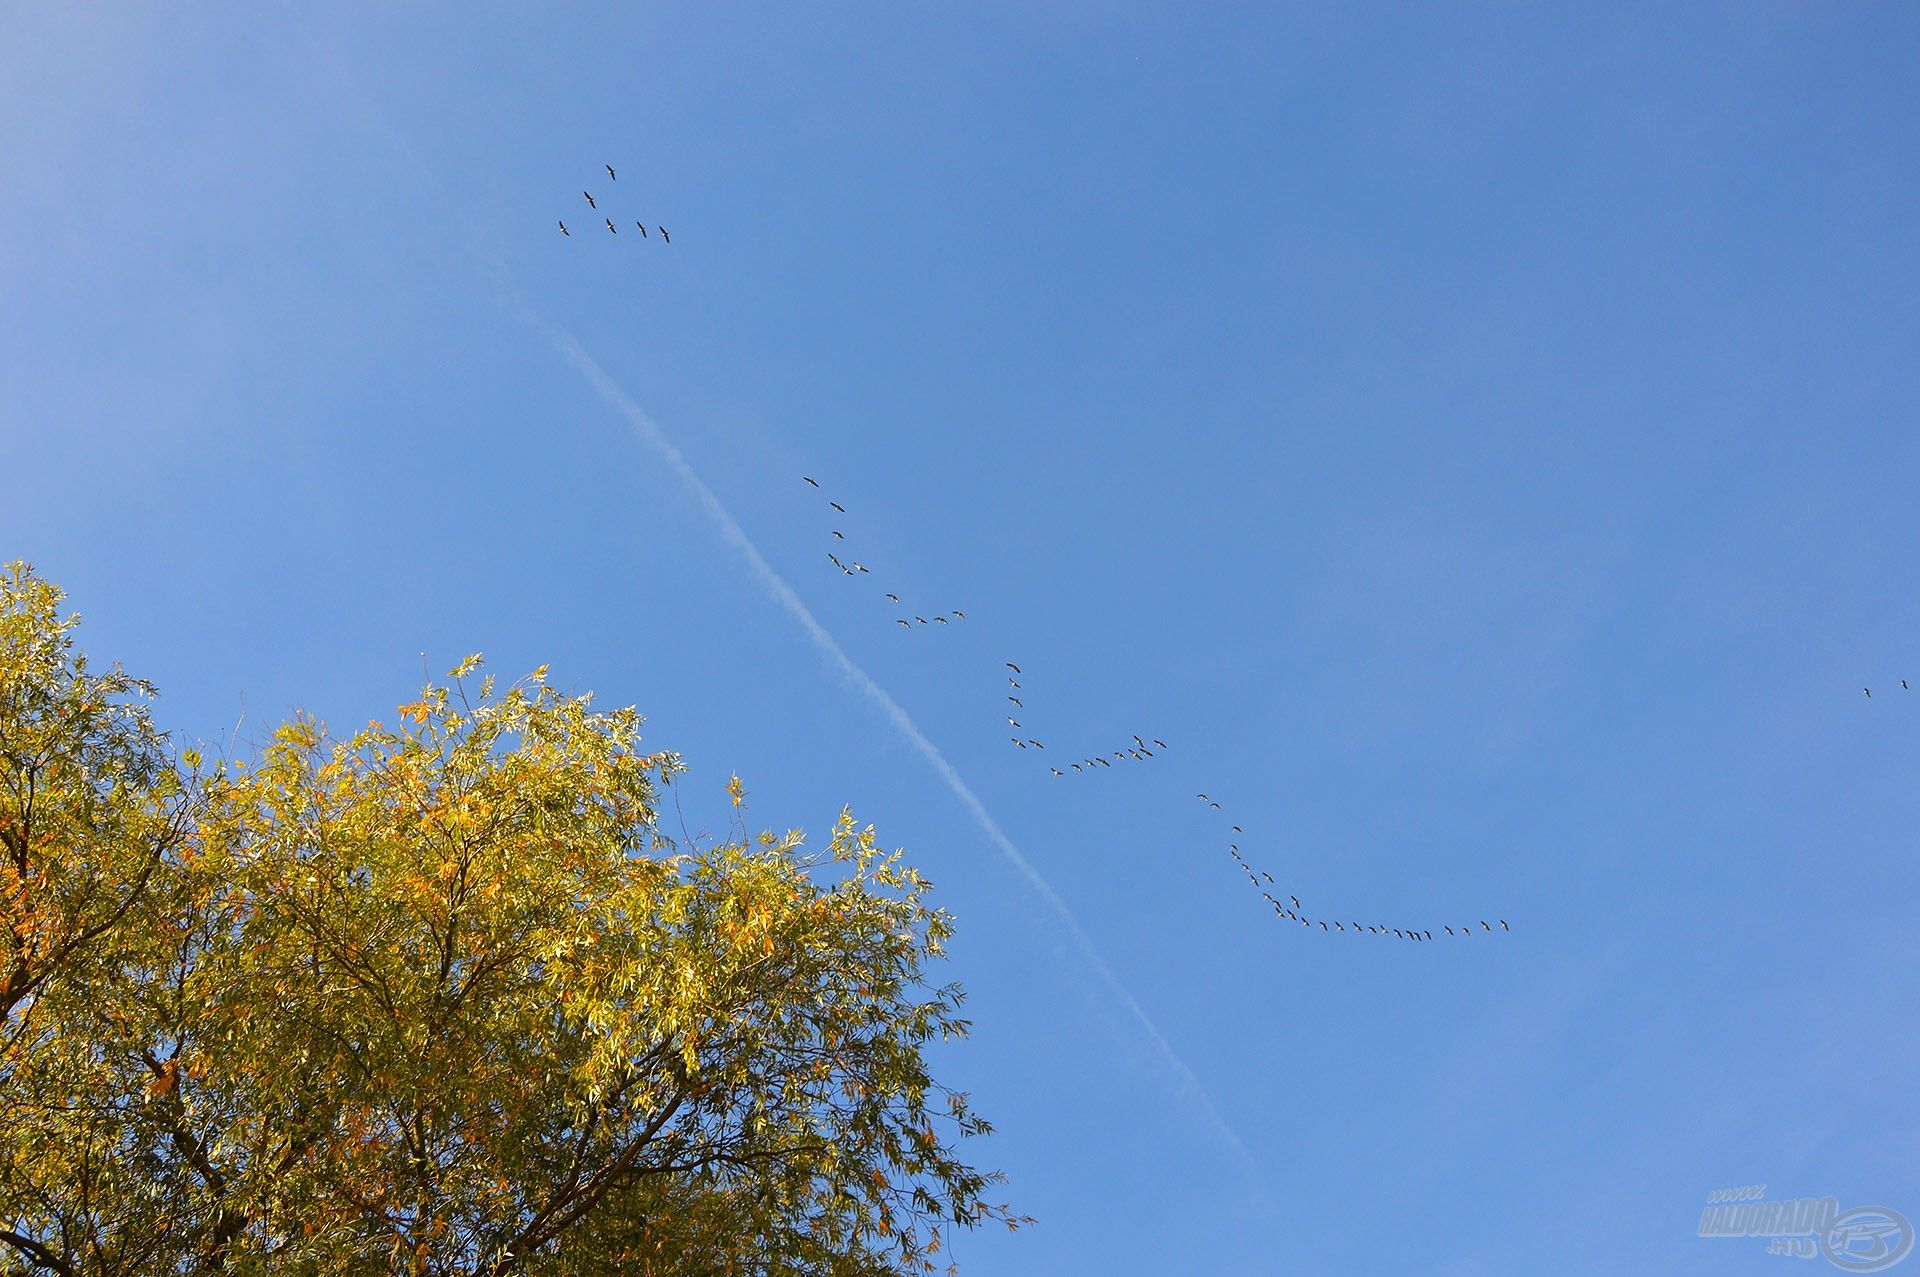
(1480, 440)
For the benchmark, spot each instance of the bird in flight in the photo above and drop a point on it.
(810, 479)
(611, 227)
(840, 535)
(1013, 721)
(859, 567)
(1015, 668)
(1868, 691)
(894, 597)
(1162, 744)
(939, 620)
(908, 624)
(836, 505)
(1056, 771)
(642, 226)
(565, 231)
(611, 176)
(963, 616)
(1504, 926)
(590, 203)
(663, 234)
(1016, 701)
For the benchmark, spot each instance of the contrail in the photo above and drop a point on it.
(736, 537)
(568, 347)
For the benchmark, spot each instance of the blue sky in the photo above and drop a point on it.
(1477, 439)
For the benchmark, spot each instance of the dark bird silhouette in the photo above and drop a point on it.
(1237, 829)
(1202, 797)
(920, 620)
(940, 620)
(836, 560)
(1016, 740)
(1868, 691)
(908, 624)
(1162, 744)
(1216, 806)
(590, 203)
(1449, 930)
(663, 234)
(1142, 744)
(961, 616)
(1076, 766)
(642, 228)
(1016, 701)
(611, 176)
(1014, 723)
(1296, 901)
(836, 505)
(810, 479)
(1484, 926)
(611, 227)
(859, 567)
(894, 597)
(841, 535)
(565, 231)
(1504, 926)
(1036, 744)
(1015, 668)
(1056, 771)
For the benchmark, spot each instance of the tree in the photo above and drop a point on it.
(442, 998)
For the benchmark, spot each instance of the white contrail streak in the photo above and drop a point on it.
(736, 537)
(650, 434)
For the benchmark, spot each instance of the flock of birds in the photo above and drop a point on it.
(1285, 905)
(1290, 907)
(909, 620)
(594, 205)
(1903, 687)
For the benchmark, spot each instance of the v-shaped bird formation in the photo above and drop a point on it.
(1138, 752)
(1284, 904)
(594, 210)
(1288, 906)
(905, 617)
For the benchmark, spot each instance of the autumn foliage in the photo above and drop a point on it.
(442, 998)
